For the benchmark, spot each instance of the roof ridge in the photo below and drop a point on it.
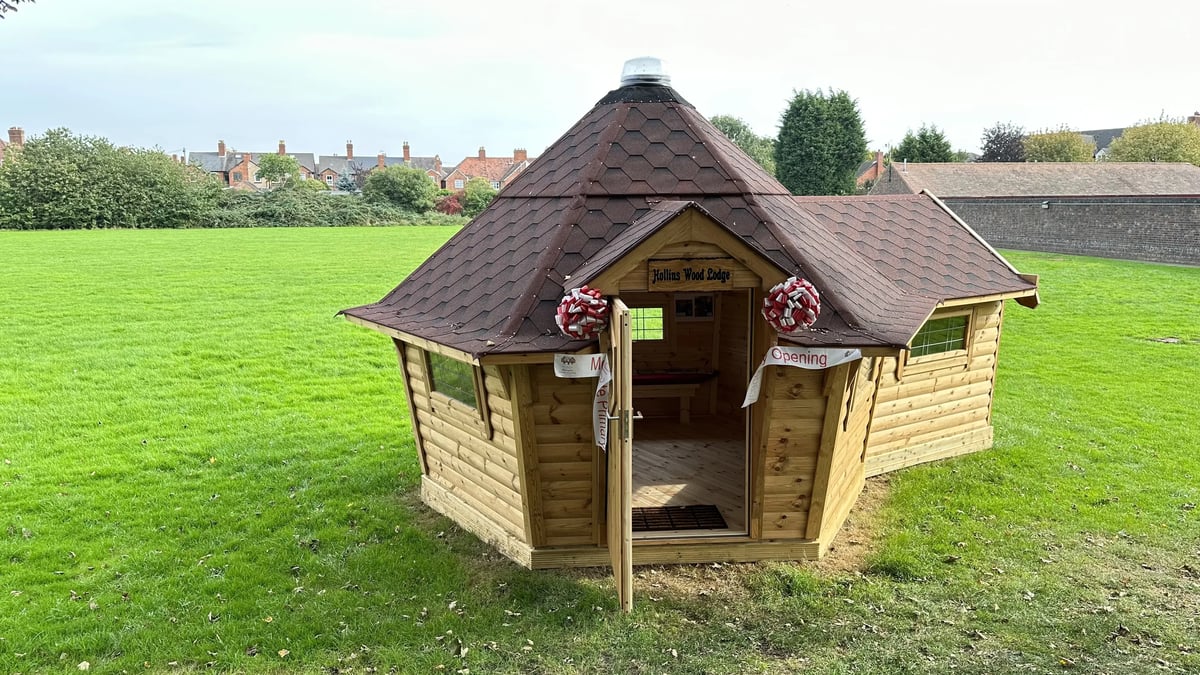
(724, 160)
(548, 259)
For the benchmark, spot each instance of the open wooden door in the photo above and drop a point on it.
(620, 455)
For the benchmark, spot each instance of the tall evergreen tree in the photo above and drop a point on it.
(821, 143)
(1004, 142)
(927, 145)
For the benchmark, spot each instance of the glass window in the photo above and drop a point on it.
(646, 323)
(237, 175)
(453, 378)
(495, 185)
(458, 184)
(941, 335)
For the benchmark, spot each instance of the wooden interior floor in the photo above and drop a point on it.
(703, 462)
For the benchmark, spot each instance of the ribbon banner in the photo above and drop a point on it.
(590, 365)
(810, 358)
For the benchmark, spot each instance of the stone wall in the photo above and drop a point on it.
(1154, 229)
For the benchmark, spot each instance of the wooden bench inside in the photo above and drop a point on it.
(682, 385)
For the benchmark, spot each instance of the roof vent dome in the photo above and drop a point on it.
(645, 70)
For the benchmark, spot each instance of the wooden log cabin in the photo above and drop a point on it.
(683, 235)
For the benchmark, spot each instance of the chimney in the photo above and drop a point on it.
(380, 158)
(16, 137)
(406, 156)
(174, 158)
(282, 148)
(220, 148)
(520, 155)
(437, 163)
(349, 150)
(482, 154)
(1195, 118)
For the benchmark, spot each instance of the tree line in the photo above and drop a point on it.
(821, 144)
(61, 180)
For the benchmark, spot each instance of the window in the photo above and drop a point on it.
(694, 307)
(495, 185)
(237, 176)
(328, 178)
(646, 323)
(452, 378)
(938, 336)
(458, 184)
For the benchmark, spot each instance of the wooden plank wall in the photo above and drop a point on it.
(566, 457)
(796, 415)
(930, 414)
(847, 475)
(481, 472)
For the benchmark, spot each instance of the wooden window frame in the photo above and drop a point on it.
(478, 418)
(947, 359)
(667, 314)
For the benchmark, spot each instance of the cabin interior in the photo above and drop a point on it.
(691, 363)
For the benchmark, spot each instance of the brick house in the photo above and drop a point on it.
(499, 171)
(239, 170)
(16, 140)
(1130, 210)
(332, 167)
(870, 171)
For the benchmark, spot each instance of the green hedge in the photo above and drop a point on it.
(60, 181)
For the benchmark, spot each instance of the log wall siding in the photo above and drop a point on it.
(847, 474)
(566, 457)
(482, 472)
(933, 412)
(796, 413)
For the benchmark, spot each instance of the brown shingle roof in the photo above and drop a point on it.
(640, 157)
(1041, 179)
(916, 243)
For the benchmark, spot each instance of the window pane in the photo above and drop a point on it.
(941, 335)
(453, 378)
(646, 323)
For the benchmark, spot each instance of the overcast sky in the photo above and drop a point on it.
(451, 77)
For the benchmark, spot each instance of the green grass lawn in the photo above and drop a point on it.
(202, 468)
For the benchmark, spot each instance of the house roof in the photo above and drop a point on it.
(632, 164)
(341, 164)
(426, 163)
(490, 168)
(210, 161)
(1041, 179)
(1103, 137)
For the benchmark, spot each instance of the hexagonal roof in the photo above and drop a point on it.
(602, 186)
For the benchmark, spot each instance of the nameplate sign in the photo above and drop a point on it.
(692, 274)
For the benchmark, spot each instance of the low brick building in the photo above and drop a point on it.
(1129, 210)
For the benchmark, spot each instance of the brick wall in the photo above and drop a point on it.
(1155, 229)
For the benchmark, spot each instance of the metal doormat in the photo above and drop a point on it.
(693, 517)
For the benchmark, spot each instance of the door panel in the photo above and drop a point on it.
(620, 455)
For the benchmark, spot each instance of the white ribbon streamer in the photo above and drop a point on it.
(810, 358)
(590, 365)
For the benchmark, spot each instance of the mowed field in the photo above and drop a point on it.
(203, 469)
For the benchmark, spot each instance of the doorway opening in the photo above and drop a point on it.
(691, 364)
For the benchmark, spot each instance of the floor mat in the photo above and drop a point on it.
(694, 517)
